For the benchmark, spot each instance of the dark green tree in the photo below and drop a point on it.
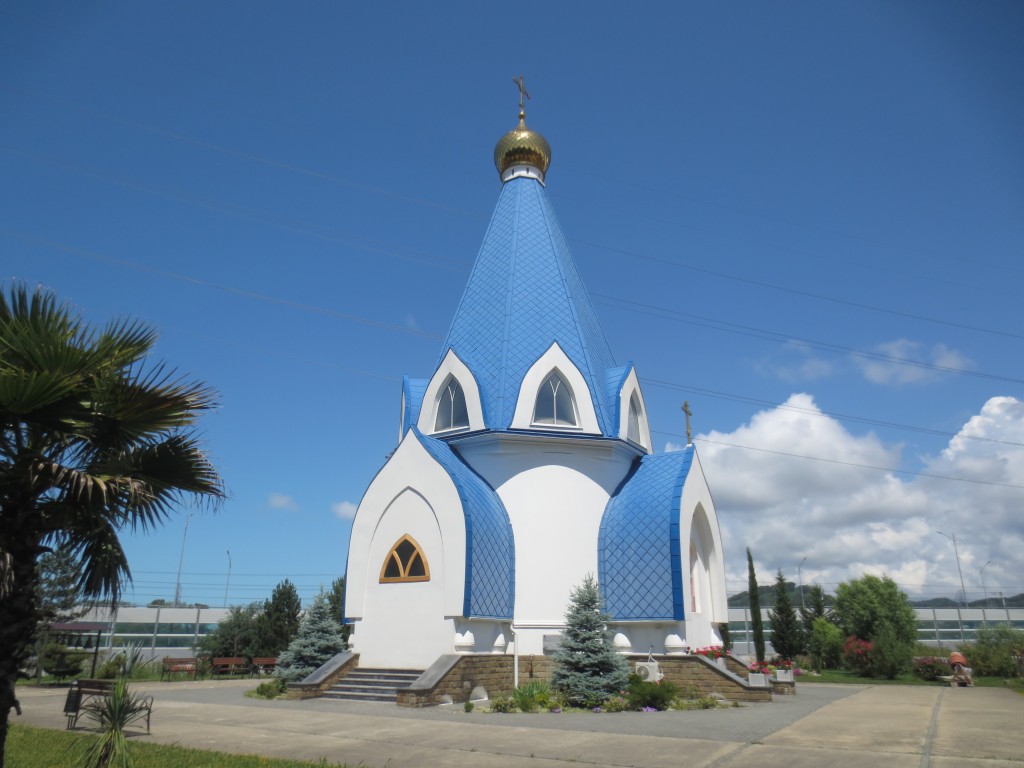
(238, 634)
(787, 630)
(815, 608)
(756, 622)
(59, 595)
(336, 599)
(279, 621)
(587, 667)
(875, 609)
(318, 640)
(93, 439)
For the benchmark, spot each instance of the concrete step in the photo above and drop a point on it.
(372, 684)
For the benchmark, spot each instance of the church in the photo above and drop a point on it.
(524, 463)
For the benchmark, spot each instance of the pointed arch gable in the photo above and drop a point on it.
(451, 369)
(552, 361)
(630, 401)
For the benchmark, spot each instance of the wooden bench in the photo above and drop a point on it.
(185, 666)
(81, 691)
(230, 665)
(264, 665)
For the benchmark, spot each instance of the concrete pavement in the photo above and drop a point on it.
(823, 725)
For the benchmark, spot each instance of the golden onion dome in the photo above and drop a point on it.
(521, 146)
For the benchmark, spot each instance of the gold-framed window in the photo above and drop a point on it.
(405, 562)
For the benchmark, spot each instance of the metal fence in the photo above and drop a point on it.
(941, 627)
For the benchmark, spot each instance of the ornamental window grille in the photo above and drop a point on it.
(556, 405)
(451, 408)
(633, 425)
(405, 562)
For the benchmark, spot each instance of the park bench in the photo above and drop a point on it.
(82, 691)
(186, 666)
(264, 665)
(229, 665)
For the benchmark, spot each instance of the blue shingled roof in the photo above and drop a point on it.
(524, 294)
(490, 546)
(615, 378)
(639, 566)
(413, 391)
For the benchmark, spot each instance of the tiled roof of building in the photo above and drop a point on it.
(490, 547)
(524, 294)
(639, 564)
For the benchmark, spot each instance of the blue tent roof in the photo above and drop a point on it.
(490, 546)
(524, 294)
(639, 566)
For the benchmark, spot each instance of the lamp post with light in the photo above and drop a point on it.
(800, 578)
(984, 592)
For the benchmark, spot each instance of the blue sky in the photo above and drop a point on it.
(804, 218)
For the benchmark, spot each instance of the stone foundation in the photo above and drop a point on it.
(455, 677)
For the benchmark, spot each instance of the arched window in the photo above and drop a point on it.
(633, 425)
(451, 408)
(555, 404)
(405, 562)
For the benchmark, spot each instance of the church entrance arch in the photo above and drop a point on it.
(403, 618)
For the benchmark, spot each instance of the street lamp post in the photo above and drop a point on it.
(984, 617)
(181, 559)
(800, 579)
(228, 582)
(956, 551)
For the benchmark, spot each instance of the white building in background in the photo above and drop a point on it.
(525, 463)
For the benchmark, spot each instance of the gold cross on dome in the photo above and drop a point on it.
(522, 92)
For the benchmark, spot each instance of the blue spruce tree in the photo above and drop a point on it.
(319, 639)
(587, 668)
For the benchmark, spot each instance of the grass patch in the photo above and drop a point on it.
(29, 747)
(907, 678)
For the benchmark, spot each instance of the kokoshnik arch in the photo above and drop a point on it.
(524, 463)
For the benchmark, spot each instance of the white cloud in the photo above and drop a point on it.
(670, 447)
(344, 510)
(850, 520)
(893, 372)
(796, 364)
(283, 502)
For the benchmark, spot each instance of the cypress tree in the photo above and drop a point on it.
(756, 622)
(587, 667)
(787, 631)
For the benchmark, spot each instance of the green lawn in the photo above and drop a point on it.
(842, 676)
(29, 747)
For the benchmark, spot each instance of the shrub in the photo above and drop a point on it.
(57, 658)
(826, 644)
(930, 667)
(615, 704)
(272, 688)
(643, 693)
(890, 654)
(993, 650)
(469, 706)
(857, 656)
(503, 704)
(531, 695)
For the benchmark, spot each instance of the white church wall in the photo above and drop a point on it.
(555, 492)
(406, 624)
(698, 524)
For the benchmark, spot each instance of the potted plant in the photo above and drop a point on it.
(758, 675)
(784, 671)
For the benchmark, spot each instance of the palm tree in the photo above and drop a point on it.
(93, 440)
(113, 714)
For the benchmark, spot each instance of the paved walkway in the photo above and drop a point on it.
(823, 725)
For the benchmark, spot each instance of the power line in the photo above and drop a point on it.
(847, 463)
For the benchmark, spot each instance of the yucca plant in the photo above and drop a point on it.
(113, 714)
